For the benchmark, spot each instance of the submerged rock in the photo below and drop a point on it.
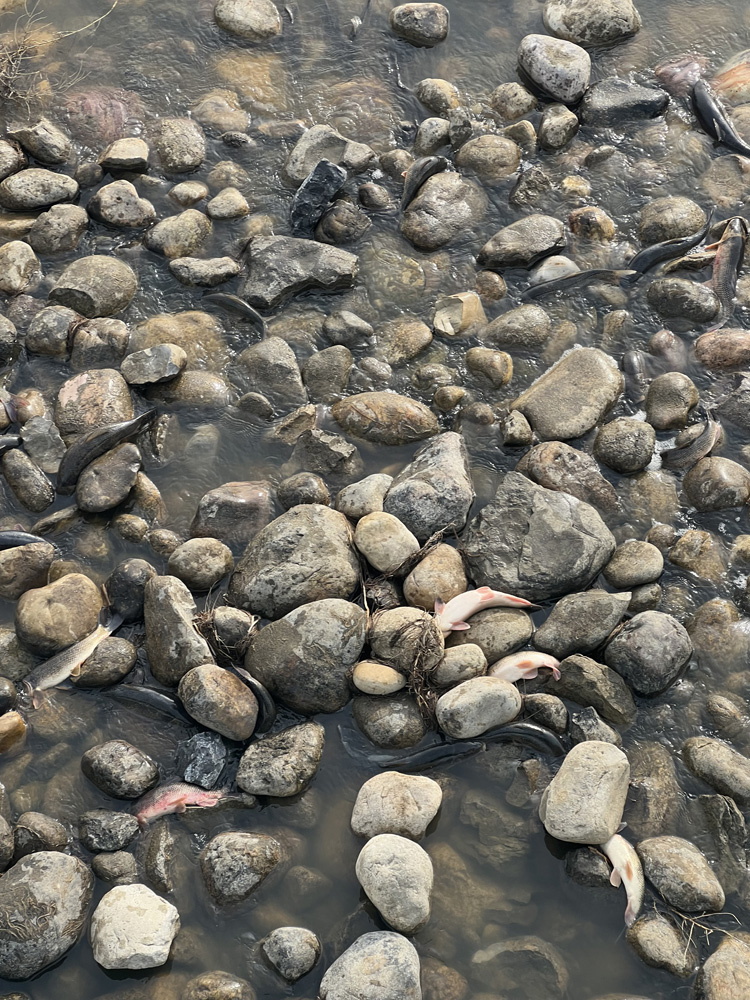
(133, 928)
(385, 418)
(283, 764)
(233, 865)
(378, 965)
(280, 266)
(592, 22)
(397, 876)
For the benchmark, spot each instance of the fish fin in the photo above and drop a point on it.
(630, 916)
(141, 821)
(556, 673)
(181, 807)
(622, 826)
(485, 591)
(615, 879)
(439, 606)
(459, 626)
(38, 698)
(76, 671)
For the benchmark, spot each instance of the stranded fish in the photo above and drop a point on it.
(452, 616)
(651, 256)
(95, 444)
(438, 753)
(687, 456)
(266, 704)
(67, 663)
(160, 701)
(419, 172)
(636, 375)
(233, 303)
(730, 254)
(538, 737)
(8, 441)
(627, 869)
(579, 278)
(11, 539)
(178, 797)
(714, 120)
(524, 666)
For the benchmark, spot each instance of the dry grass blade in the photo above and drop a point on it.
(420, 635)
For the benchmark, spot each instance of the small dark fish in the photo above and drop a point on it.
(8, 441)
(686, 457)
(536, 736)
(727, 265)
(11, 539)
(419, 172)
(714, 120)
(651, 256)
(233, 303)
(432, 756)
(579, 278)
(266, 704)
(314, 195)
(95, 444)
(158, 700)
(636, 376)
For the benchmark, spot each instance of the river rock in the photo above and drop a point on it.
(119, 769)
(392, 722)
(104, 830)
(570, 398)
(446, 206)
(583, 803)
(523, 243)
(180, 145)
(422, 24)
(396, 874)
(201, 562)
(558, 67)
(329, 455)
(591, 22)
(557, 466)
(725, 974)
(440, 575)
(90, 400)
(128, 155)
(206, 273)
(273, 371)
(256, 20)
(233, 512)
(717, 483)
(304, 555)
(659, 943)
(23, 568)
(283, 764)
(36, 188)
(384, 541)
(218, 986)
(133, 928)
(119, 204)
(723, 350)
(394, 803)
(678, 870)
(364, 497)
(59, 228)
(401, 636)
(593, 684)
(44, 141)
(558, 127)
(528, 965)
(379, 965)
(323, 142)
(46, 882)
(219, 700)
(720, 766)
(613, 101)
(476, 705)
(280, 266)
(35, 831)
(535, 542)
(106, 481)
(55, 616)
(625, 444)
(497, 631)
(579, 623)
(179, 235)
(28, 483)
(385, 418)
(460, 663)
(172, 643)
(678, 298)
(304, 658)
(491, 157)
(292, 951)
(649, 652)
(656, 799)
(19, 266)
(634, 563)
(669, 218)
(126, 586)
(154, 364)
(111, 661)
(326, 374)
(95, 286)
(12, 158)
(233, 865)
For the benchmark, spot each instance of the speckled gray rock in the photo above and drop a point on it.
(536, 543)
(233, 512)
(649, 651)
(678, 298)
(625, 444)
(50, 882)
(717, 484)
(133, 928)
(281, 266)
(378, 966)
(435, 489)
(119, 769)
(523, 243)
(403, 804)
(104, 830)
(179, 235)
(218, 986)
(43, 444)
(116, 867)
(634, 563)
(283, 764)
(725, 974)
(106, 481)
(669, 218)
(95, 286)
(304, 555)
(272, 369)
(491, 157)
(364, 497)
(326, 373)
(476, 705)
(398, 636)
(527, 327)
(497, 631)
(323, 142)
(560, 68)
(445, 206)
(201, 562)
(111, 661)
(129, 154)
(256, 20)
(180, 145)
(396, 874)
(422, 24)
(19, 266)
(292, 951)
(593, 684)
(579, 623)
(119, 204)
(60, 228)
(233, 865)
(557, 127)
(393, 722)
(29, 484)
(720, 766)
(172, 644)
(36, 188)
(304, 658)
(613, 102)
(12, 158)
(331, 456)
(385, 417)
(44, 141)
(570, 398)
(219, 700)
(557, 466)
(591, 22)
(55, 616)
(35, 831)
(153, 364)
(583, 803)
(384, 541)
(440, 575)
(24, 567)
(205, 272)
(659, 942)
(678, 870)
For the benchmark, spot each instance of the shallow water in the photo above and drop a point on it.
(170, 54)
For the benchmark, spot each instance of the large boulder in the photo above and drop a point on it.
(435, 488)
(536, 543)
(304, 659)
(379, 966)
(304, 555)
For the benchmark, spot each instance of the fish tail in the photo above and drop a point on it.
(38, 698)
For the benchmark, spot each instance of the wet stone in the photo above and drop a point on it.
(394, 722)
(59, 614)
(23, 568)
(422, 24)
(377, 965)
(104, 830)
(304, 487)
(557, 466)
(125, 587)
(200, 563)
(439, 96)
(133, 928)
(95, 286)
(717, 484)
(720, 766)
(283, 764)
(659, 943)
(678, 298)
(724, 350)
(512, 101)
(726, 973)
(592, 22)
(233, 865)
(396, 874)
(119, 204)
(36, 832)
(528, 963)
(611, 102)
(281, 266)
(201, 759)
(558, 127)
(30, 486)
(440, 575)
(107, 481)
(292, 951)
(130, 154)
(385, 418)
(12, 158)
(590, 683)
(18, 267)
(682, 875)
(119, 769)
(371, 677)
(445, 206)
(314, 195)
(476, 705)
(180, 145)
(229, 203)
(326, 374)
(111, 661)
(60, 228)
(272, 370)
(329, 455)
(98, 342)
(625, 444)
(669, 218)
(218, 986)
(587, 725)
(35, 188)
(172, 644)
(560, 68)
(649, 652)
(118, 867)
(523, 243)
(219, 700)
(179, 235)
(633, 564)
(491, 157)
(153, 364)
(396, 803)
(233, 512)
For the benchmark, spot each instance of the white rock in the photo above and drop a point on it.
(254, 19)
(460, 663)
(404, 804)
(559, 67)
(133, 928)
(371, 677)
(591, 22)
(364, 497)
(583, 803)
(384, 541)
(397, 876)
(477, 705)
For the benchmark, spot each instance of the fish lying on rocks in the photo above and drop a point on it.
(68, 662)
(8, 441)
(11, 539)
(627, 870)
(524, 666)
(233, 303)
(649, 257)
(680, 75)
(714, 120)
(687, 456)
(266, 705)
(451, 617)
(730, 254)
(178, 797)
(419, 172)
(579, 279)
(93, 445)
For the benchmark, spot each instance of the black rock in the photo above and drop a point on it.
(314, 195)
(613, 101)
(125, 587)
(106, 830)
(202, 758)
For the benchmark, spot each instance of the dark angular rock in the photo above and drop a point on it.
(313, 196)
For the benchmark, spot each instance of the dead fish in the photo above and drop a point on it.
(680, 75)
(160, 701)
(579, 279)
(95, 444)
(12, 539)
(8, 441)
(730, 254)
(266, 705)
(714, 120)
(67, 663)
(536, 736)
(451, 617)
(627, 870)
(686, 457)
(438, 753)
(690, 262)
(233, 303)
(419, 172)
(524, 666)
(651, 256)
(636, 375)
(178, 797)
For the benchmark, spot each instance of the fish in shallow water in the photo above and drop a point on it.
(687, 456)
(626, 870)
(524, 666)
(11, 539)
(714, 120)
(419, 172)
(67, 663)
(8, 441)
(266, 705)
(679, 75)
(531, 733)
(579, 279)
(160, 701)
(93, 445)
(178, 797)
(451, 617)
(730, 254)
(659, 252)
(233, 303)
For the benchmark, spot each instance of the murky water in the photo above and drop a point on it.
(170, 54)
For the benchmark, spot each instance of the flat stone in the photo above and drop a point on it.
(611, 102)
(36, 188)
(133, 928)
(281, 266)
(95, 286)
(377, 966)
(523, 243)
(683, 876)
(592, 22)
(283, 764)
(153, 364)
(590, 683)
(385, 418)
(119, 769)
